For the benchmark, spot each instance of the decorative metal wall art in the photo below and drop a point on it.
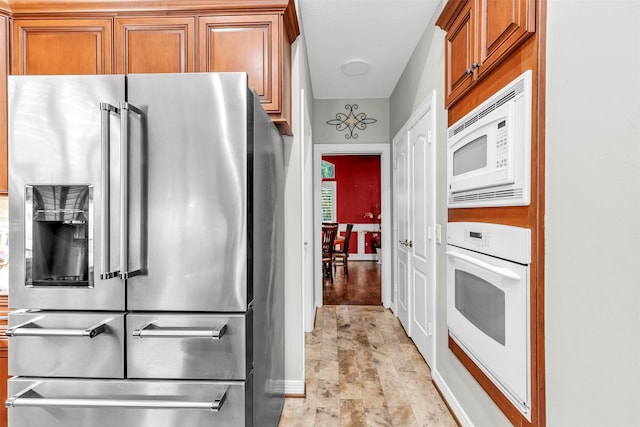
(351, 121)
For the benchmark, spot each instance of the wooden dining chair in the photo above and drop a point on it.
(343, 255)
(329, 231)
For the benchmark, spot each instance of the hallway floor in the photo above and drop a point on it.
(363, 370)
(361, 288)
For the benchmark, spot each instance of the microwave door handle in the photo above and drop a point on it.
(501, 271)
(125, 107)
(105, 139)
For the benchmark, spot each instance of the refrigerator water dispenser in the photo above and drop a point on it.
(58, 237)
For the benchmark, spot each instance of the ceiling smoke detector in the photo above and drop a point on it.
(355, 67)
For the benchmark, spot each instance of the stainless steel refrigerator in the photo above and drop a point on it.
(146, 229)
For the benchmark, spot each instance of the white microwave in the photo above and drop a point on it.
(489, 150)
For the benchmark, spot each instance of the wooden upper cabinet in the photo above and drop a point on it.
(480, 34)
(246, 43)
(65, 46)
(155, 45)
(503, 25)
(460, 51)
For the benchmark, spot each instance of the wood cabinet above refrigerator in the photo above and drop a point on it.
(159, 36)
(114, 36)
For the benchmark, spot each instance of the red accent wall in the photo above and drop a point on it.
(358, 189)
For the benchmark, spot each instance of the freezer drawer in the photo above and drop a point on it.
(106, 403)
(189, 346)
(66, 344)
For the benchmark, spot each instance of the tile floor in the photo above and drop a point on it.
(363, 370)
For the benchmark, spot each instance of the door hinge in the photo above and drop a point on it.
(430, 329)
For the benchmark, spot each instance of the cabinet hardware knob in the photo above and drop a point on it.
(468, 72)
(475, 66)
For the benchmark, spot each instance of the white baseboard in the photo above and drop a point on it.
(451, 400)
(294, 387)
(362, 257)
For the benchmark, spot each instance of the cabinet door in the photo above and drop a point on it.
(503, 25)
(66, 46)
(155, 45)
(459, 51)
(246, 43)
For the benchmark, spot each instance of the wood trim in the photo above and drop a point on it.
(508, 409)
(4, 311)
(291, 22)
(4, 71)
(449, 13)
(541, 115)
(18, 7)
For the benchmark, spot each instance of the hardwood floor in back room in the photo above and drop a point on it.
(363, 370)
(361, 288)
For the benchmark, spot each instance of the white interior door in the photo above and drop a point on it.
(422, 229)
(307, 217)
(401, 191)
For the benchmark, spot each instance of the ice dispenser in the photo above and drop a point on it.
(59, 235)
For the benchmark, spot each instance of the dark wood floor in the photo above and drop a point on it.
(362, 288)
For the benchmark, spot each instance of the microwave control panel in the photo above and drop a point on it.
(502, 145)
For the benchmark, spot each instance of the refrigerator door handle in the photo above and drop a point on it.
(30, 398)
(150, 330)
(105, 138)
(125, 107)
(30, 329)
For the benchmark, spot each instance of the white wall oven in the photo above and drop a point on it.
(488, 303)
(489, 150)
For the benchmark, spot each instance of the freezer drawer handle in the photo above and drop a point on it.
(105, 138)
(150, 330)
(125, 107)
(30, 398)
(30, 329)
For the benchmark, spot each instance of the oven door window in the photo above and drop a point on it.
(481, 303)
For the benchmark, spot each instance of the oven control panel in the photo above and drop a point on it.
(502, 241)
(477, 239)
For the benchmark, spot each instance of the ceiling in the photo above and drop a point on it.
(359, 48)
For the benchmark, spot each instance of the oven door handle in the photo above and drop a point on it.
(30, 398)
(151, 330)
(504, 272)
(30, 329)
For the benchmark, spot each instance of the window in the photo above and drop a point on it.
(329, 198)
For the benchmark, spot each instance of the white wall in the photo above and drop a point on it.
(424, 73)
(294, 334)
(592, 232)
